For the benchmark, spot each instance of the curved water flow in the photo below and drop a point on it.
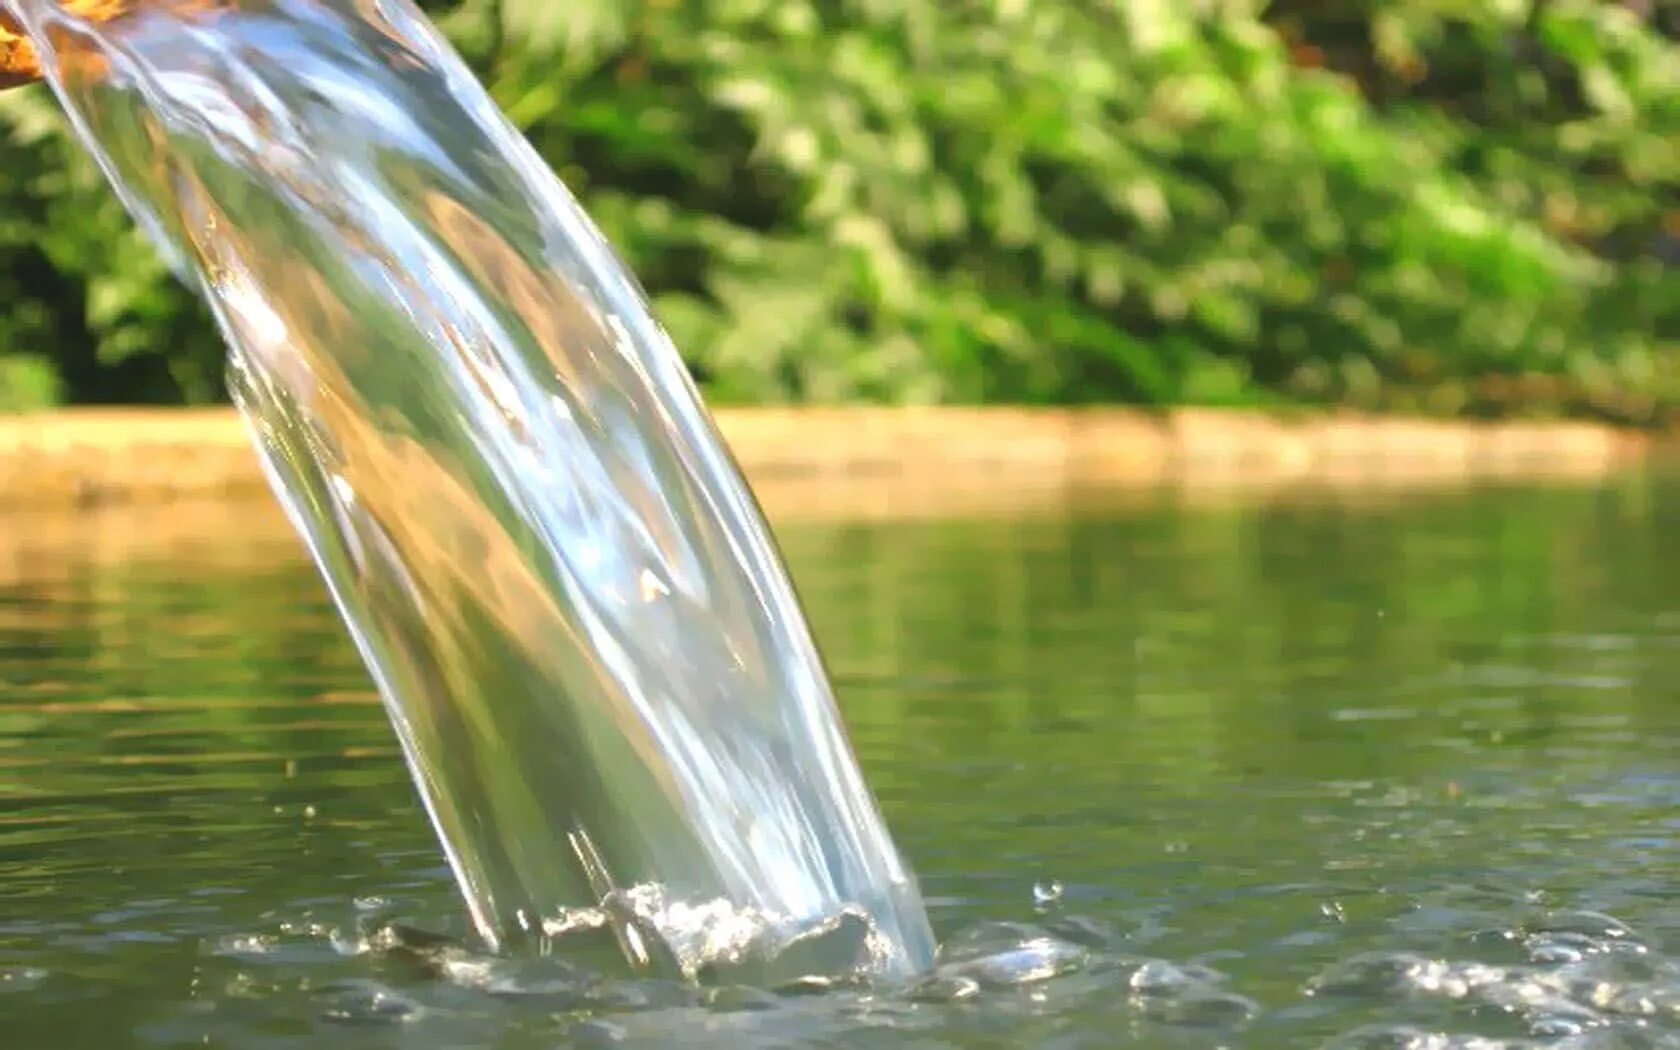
(574, 612)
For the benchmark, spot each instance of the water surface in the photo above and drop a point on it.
(1294, 771)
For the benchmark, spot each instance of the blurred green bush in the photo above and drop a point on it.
(1448, 206)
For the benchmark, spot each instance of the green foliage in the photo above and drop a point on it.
(89, 307)
(1441, 205)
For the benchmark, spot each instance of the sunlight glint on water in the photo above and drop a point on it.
(581, 628)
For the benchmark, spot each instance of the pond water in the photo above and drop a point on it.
(1270, 770)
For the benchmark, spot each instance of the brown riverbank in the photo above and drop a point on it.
(99, 456)
(97, 487)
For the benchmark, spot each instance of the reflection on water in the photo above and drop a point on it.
(1310, 772)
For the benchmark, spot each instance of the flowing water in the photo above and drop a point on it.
(1301, 772)
(1259, 775)
(582, 630)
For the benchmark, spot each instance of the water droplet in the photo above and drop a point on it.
(596, 1033)
(1158, 977)
(811, 984)
(1555, 954)
(652, 587)
(20, 978)
(1557, 1027)
(1202, 1009)
(1371, 973)
(368, 1003)
(244, 944)
(1036, 960)
(945, 988)
(739, 999)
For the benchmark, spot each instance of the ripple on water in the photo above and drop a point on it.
(1583, 979)
(1405, 1037)
(365, 1002)
(1491, 969)
(1029, 984)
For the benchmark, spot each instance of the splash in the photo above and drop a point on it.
(581, 628)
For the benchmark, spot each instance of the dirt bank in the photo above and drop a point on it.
(98, 456)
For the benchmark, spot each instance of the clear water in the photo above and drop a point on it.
(581, 628)
(1386, 771)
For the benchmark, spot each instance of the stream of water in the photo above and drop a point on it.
(581, 628)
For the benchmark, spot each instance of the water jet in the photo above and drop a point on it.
(572, 607)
